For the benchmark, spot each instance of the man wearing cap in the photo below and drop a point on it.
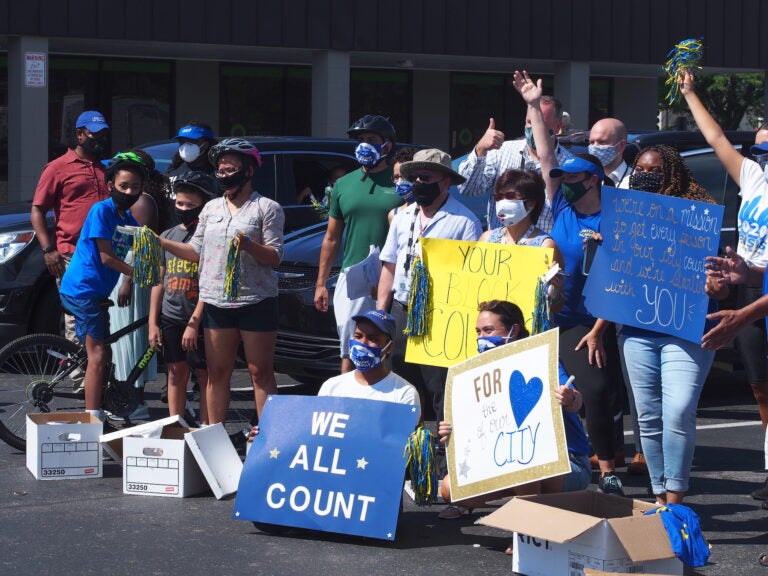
(195, 138)
(360, 203)
(70, 185)
(371, 343)
(492, 156)
(435, 214)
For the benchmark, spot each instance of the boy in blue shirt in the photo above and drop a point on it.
(96, 266)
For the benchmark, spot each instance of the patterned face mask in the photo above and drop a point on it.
(605, 153)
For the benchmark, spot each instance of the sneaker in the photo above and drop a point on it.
(638, 466)
(610, 484)
(140, 413)
(761, 493)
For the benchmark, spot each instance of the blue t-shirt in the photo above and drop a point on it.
(575, 437)
(86, 276)
(566, 231)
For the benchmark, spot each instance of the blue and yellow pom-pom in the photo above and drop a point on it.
(232, 269)
(686, 55)
(146, 257)
(422, 467)
(416, 321)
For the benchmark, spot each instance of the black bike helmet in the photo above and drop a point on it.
(373, 123)
(233, 145)
(201, 181)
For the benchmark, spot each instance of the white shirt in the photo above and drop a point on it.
(620, 175)
(453, 221)
(482, 172)
(391, 388)
(753, 214)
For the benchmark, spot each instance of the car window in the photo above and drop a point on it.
(307, 174)
(265, 177)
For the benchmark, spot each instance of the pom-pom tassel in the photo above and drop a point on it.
(416, 324)
(146, 257)
(686, 55)
(232, 270)
(421, 466)
(541, 310)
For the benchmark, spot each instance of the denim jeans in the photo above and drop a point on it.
(666, 375)
(580, 475)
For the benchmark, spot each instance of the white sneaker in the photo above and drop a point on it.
(141, 413)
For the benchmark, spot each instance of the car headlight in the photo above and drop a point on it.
(12, 243)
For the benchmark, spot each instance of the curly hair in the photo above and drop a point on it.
(676, 177)
(509, 314)
(529, 185)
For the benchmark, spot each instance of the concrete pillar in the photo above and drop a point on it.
(635, 102)
(197, 94)
(431, 108)
(27, 118)
(572, 89)
(330, 93)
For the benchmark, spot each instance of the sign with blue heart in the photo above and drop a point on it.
(507, 423)
(327, 463)
(649, 270)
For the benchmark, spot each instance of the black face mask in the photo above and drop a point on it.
(187, 217)
(425, 194)
(232, 181)
(645, 181)
(122, 200)
(95, 146)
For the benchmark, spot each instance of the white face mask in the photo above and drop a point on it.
(606, 154)
(189, 151)
(510, 212)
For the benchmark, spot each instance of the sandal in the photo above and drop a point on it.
(509, 551)
(763, 559)
(451, 512)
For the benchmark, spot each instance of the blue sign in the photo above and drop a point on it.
(649, 270)
(327, 463)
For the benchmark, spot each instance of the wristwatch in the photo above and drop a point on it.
(49, 250)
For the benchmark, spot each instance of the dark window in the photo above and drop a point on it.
(3, 128)
(600, 99)
(383, 92)
(266, 100)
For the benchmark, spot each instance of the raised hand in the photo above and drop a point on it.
(685, 81)
(491, 140)
(530, 91)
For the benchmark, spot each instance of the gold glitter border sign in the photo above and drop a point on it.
(507, 424)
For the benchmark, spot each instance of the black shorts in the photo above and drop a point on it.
(751, 341)
(259, 317)
(172, 350)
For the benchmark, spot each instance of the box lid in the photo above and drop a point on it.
(41, 418)
(643, 537)
(217, 458)
(113, 442)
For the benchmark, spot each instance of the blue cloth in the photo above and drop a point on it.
(91, 317)
(566, 233)
(684, 531)
(86, 276)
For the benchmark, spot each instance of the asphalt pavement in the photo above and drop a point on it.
(90, 527)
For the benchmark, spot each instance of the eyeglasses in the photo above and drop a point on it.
(424, 177)
(224, 172)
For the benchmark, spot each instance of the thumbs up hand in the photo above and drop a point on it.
(491, 140)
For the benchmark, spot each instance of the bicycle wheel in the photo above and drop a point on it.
(34, 377)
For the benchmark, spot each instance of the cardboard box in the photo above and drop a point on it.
(63, 445)
(564, 534)
(168, 458)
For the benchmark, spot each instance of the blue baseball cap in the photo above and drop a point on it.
(193, 133)
(574, 165)
(758, 149)
(92, 120)
(381, 319)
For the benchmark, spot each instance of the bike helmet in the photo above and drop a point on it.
(122, 160)
(373, 123)
(233, 145)
(201, 181)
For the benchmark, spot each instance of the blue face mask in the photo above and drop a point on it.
(368, 154)
(404, 189)
(485, 343)
(366, 357)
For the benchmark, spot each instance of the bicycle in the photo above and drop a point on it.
(36, 376)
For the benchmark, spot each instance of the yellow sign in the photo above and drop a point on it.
(463, 274)
(507, 423)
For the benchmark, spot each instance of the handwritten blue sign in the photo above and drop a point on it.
(326, 463)
(649, 270)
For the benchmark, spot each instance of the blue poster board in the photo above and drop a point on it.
(649, 270)
(326, 463)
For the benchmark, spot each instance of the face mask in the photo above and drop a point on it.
(486, 343)
(425, 194)
(529, 137)
(95, 146)
(187, 217)
(574, 191)
(365, 357)
(645, 181)
(404, 189)
(122, 200)
(510, 212)
(368, 154)
(231, 182)
(189, 151)
(606, 154)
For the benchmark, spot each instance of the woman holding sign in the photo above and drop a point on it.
(666, 372)
(500, 322)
